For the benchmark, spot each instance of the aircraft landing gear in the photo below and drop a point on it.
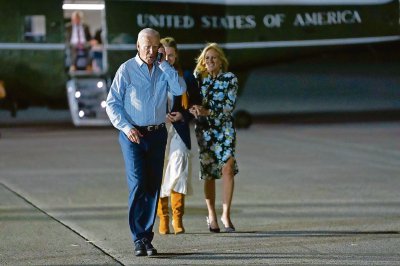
(242, 119)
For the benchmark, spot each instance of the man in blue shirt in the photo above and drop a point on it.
(136, 105)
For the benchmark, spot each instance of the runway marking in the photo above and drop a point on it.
(60, 222)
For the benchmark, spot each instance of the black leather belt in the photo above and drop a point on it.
(150, 128)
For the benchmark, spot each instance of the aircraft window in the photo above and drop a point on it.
(35, 28)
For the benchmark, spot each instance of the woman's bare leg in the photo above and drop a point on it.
(228, 184)
(209, 193)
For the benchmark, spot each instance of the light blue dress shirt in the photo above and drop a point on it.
(138, 97)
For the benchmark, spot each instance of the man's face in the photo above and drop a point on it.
(75, 19)
(147, 47)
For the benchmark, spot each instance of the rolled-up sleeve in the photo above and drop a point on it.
(172, 78)
(115, 103)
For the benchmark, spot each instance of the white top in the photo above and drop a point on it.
(78, 34)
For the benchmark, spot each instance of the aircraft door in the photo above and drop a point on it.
(84, 37)
(87, 87)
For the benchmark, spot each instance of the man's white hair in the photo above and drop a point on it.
(147, 32)
(77, 13)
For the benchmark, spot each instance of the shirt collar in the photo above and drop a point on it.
(218, 75)
(138, 60)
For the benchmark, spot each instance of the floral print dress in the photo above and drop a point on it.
(216, 135)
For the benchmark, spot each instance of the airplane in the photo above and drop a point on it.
(281, 50)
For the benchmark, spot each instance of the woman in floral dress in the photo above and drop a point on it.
(215, 131)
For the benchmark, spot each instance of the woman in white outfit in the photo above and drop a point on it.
(177, 169)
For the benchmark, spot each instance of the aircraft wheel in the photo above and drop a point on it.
(242, 119)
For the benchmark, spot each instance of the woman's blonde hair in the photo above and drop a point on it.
(201, 60)
(170, 42)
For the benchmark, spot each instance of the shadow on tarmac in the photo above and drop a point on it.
(328, 117)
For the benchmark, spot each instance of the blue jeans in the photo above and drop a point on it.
(144, 167)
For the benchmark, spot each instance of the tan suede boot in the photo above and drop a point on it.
(178, 207)
(162, 212)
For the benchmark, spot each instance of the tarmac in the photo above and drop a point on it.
(306, 194)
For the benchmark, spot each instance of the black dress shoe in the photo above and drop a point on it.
(140, 249)
(212, 230)
(151, 251)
